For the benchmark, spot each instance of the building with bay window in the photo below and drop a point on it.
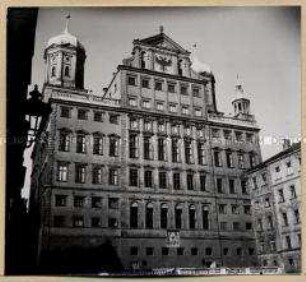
(148, 161)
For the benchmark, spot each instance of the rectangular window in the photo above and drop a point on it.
(176, 181)
(162, 175)
(132, 80)
(288, 241)
(79, 201)
(113, 203)
(64, 142)
(281, 195)
(180, 251)
(98, 116)
(239, 136)
(208, 251)
(162, 149)
(82, 114)
(97, 175)
(217, 158)
(113, 146)
(161, 127)
(96, 202)
(171, 87)
(185, 110)
(202, 182)
(172, 108)
(80, 173)
(255, 185)
(297, 215)
(149, 251)
(147, 125)
(184, 90)
(175, 150)
(201, 153)
(188, 152)
(133, 146)
(65, 112)
(133, 177)
(270, 222)
(264, 178)
(81, 144)
(227, 135)
(134, 251)
(239, 251)
(267, 202)
(165, 251)
(60, 200)
(113, 176)
(222, 208)
(289, 168)
(62, 172)
(241, 161)
(195, 92)
(285, 219)
(247, 210)
(252, 159)
(194, 251)
(133, 102)
(95, 222)
(236, 226)
(220, 185)
(158, 86)
(229, 159)
(114, 119)
(244, 187)
(223, 225)
(112, 222)
(197, 112)
(78, 221)
(148, 178)
(145, 83)
(249, 138)
(146, 104)
(292, 191)
(160, 106)
(190, 185)
(232, 189)
(98, 145)
(147, 148)
(59, 221)
(248, 226)
(235, 209)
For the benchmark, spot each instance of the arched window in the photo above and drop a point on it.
(205, 218)
(53, 71)
(178, 216)
(134, 215)
(164, 216)
(67, 71)
(179, 67)
(192, 217)
(149, 216)
(142, 60)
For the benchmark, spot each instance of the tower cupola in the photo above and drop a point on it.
(65, 58)
(241, 103)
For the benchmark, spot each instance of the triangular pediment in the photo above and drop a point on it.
(164, 42)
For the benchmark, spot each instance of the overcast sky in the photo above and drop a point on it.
(260, 44)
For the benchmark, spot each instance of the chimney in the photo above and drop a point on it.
(286, 144)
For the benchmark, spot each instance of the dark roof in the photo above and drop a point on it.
(291, 149)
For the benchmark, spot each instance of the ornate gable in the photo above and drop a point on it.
(164, 42)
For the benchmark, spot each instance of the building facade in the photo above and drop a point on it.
(276, 197)
(150, 168)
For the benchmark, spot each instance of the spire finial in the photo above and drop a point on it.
(239, 84)
(161, 29)
(67, 22)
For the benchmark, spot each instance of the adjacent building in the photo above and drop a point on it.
(276, 197)
(150, 168)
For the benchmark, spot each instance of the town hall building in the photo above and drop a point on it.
(149, 168)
